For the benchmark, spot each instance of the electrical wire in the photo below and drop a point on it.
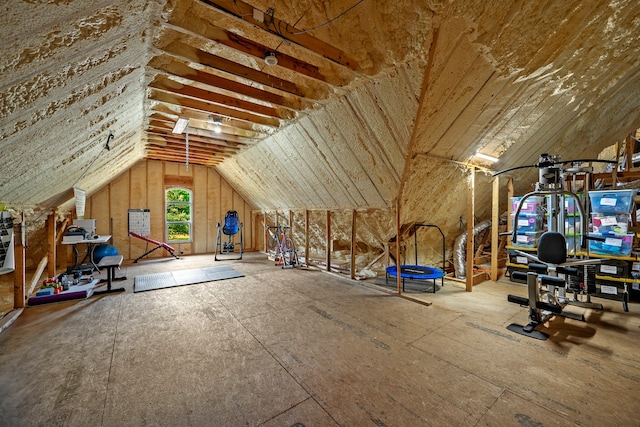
(325, 23)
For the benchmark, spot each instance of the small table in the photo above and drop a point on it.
(91, 244)
(110, 262)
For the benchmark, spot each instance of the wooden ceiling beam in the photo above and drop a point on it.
(240, 127)
(243, 11)
(183, 50)
(215, 109)
(168, 85)
(219, 139)
(183, 159)
(193, 149)
(175, 67)
(249, 47)
(193, 139)
(165, 126)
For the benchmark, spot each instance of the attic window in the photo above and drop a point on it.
(178, 215)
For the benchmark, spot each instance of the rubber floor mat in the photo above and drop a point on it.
(150, 282)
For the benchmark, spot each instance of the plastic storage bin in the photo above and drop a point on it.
(572, 226)
(531, 205)
(610, 223)
(611, 244)
(612, 201)
(573, 244)
(518, 259)
(570, 205)
(526, 223)
(527, 239)
(613, 268)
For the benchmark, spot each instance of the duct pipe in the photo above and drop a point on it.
(459, 264)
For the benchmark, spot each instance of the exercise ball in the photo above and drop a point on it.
(102, 251)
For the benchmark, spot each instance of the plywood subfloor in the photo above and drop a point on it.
(303, 347)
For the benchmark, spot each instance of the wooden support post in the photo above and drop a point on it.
(328, 254)
(51, 247)
(20, 273)
(510, 192)
(398, 263)
(614, 173)
(495, 228)
(352, 263)
(264, 230)
(306, 237)
(629, 149)
(470, 226)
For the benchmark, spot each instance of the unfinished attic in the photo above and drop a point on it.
(344, 212)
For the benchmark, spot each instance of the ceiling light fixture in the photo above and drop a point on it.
(181, 125)
(271, 58)
(218, 126)
(486, 157)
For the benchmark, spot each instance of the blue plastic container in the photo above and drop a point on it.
(612, 201)
(610, 223)
(527, 223)
(613, 244)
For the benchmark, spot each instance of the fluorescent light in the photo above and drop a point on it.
(181, 125)
(486, 157)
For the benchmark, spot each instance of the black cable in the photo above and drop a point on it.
(329, 21)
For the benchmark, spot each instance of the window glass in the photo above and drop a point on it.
(178, 215)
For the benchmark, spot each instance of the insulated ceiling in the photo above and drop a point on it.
(365, 97)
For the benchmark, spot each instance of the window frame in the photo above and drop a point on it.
(189, 223)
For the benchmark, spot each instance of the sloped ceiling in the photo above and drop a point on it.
(381, 98)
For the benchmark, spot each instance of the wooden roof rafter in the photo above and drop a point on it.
(245, 12)
(177, 67)
(190, 53)
(168, 85)
(248, 47)
(211, 108)
(240, 128)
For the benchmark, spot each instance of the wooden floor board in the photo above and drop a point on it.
(280, 347)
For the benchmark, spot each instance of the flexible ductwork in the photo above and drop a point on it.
(459, 253)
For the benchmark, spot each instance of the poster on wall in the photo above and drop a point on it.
(140, 221)
(81, 197)
(7, 260)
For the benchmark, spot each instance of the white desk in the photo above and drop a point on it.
(91, 244)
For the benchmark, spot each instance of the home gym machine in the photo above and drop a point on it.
(548, 275)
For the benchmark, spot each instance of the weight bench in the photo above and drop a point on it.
(162, 245)
(111, 262)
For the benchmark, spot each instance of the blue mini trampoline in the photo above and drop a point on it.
(419, 272)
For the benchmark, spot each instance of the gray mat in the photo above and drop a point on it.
(150, 282)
